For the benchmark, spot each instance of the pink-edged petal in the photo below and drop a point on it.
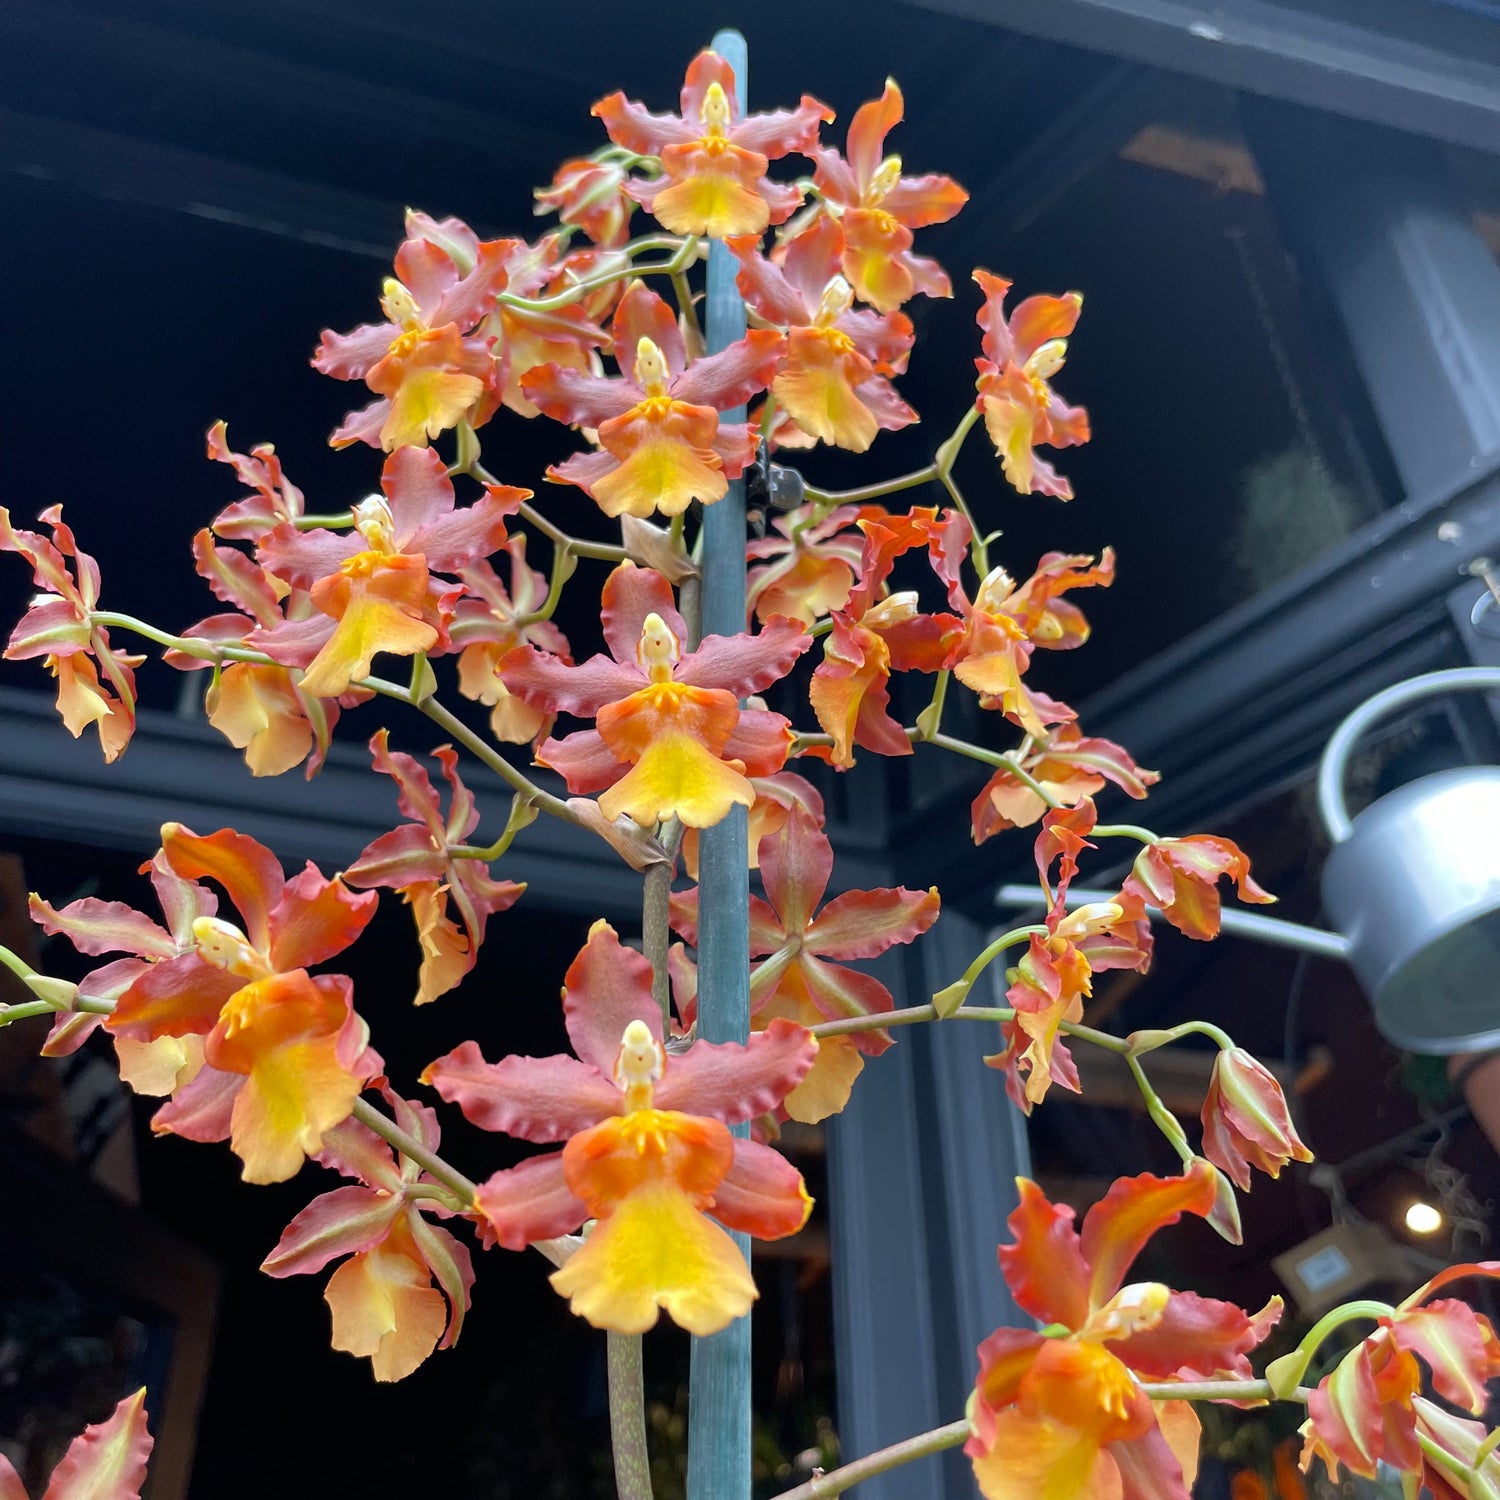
(929, 199)
(1045, 1268)
(1199, 1337)
(540, 1099)
(635, 128)
(730, 377)
(97, 927)
(351, 356)
(629, 595)
(862, 924)
(201, 1110)
(452, 1268)
(530, 1202)
(607, 986)
(301, 558)
(173, 997)
(761, 1194)
(576, 397)
(362, 426)
(840, 993)
(548, 682)
(583, 760)
(1150, 1468)
(776, 132)
(107, 1460)
(762, 740)
(354, 1150)
(767, 287)
(343, 1222)
(397, 859)
(455, 540)
(420, 493)
(795, 864)
(730, 1082)
(745, 664)
(1457, 1344)
(317, 918)
(1116, 1227)
(872, 122)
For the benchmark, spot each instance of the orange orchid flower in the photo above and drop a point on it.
(713, 160)
(1180, 876)
(590, 195)
(272, 497)
(1245, 1119)
(1060, 1414)
(649, 1154)
(878, 208)
(671, 738)
(384, 1302)
(1055, 975)
(1069, 766)
(375, 582)
(59, 627)
(1021, 355)
(874, 634)
(831, 380)
(417, 860)
(801, 975)
(488, 625)
(808, 570)
(661, 443)
(425, 361)
(1369, 1410)
(269, 1056)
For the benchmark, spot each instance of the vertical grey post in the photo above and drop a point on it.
(719, 1383)
(1418, 292)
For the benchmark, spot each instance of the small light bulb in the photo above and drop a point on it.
(1423, 1218)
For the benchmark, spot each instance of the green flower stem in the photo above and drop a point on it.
(768, 420)
(1288, 1371)
(1450, 1462)
(821, 627)
(1126, 831)
(187, 645)
(1162, 1117)
(931, 716)
(692, 332)
(337, 521)
(1006, 761)
(564, 565)
(916, 1014)
(602, 551)
(656, 930)
(627, 1417)
(409, 1146)
(685, 253)
(989, 954)
(882, 1461)
(523, 813)
(24, 1009)
(1142, 1042)
(829, 499)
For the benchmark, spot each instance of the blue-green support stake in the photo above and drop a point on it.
(719, 1382)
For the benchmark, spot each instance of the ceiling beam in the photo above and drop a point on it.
(1445, 85)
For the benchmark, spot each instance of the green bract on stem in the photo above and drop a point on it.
(1286, 1373)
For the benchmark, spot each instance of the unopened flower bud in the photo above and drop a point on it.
(1245, 1119)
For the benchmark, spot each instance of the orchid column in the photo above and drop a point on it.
(719, 1383)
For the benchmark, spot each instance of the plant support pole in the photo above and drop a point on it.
(719, 1382)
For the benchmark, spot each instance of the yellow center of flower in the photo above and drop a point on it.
(225, 947)
(399, 306)
(887, 175)
(658, 648)
(638, 1070)
(651, 372)
(715, 113)
(837, 299)
(374, 522)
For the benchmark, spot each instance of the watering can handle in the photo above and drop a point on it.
(1341, 745)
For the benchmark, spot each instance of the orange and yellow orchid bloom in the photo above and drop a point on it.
(272, 497)
(874, 634)
(1370, 1410)
(425, 361)
(801, 974)
(375, 583)
(808, 571)
(1020, 409)
(832, 378)
(1055, 974)
(1245, 1119)
(417, 860)
(590, 195)
(270, 1056)
(713, 160)
(671, 738)
(1060, 1414)
(649, 1154)
(1180, 877)
(1069, 766)
(661, 442)
(488, 625)
(878, 208)
(59, 627)
(405, 1288)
